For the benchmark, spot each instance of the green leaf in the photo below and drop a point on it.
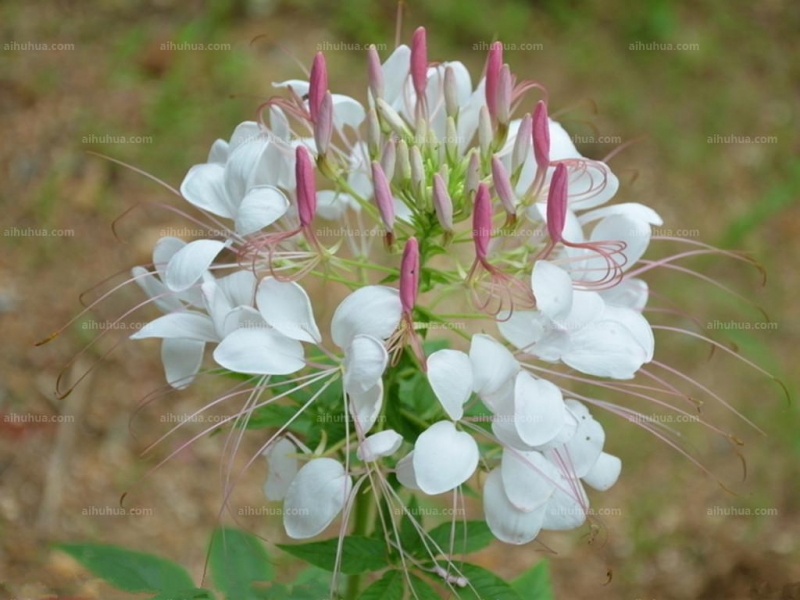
(388, 587)
(192, 594)
(422, 589)
(477, 537)
(237, 560)
(359, 554)
(535, 583)
(130, 570)
(487, 585)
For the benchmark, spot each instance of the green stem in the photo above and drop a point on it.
(362, 519)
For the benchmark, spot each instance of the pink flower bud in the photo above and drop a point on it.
(388, 158)
(482, 222)
(504, 89)
(374, 72)
(541, 135)
(450, 92)
(323, 125)
(494, 63)
(419, 62)
(409, 275)
(318, 85)
(473, 174)
(306, 188)
(522, 144)
(383, 196)
(502, 185)
(557, 203)
(442, 203)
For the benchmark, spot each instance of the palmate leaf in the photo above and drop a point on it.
(535, 583)
(359, 554)
(237, 561)
(129, 570)
(388, 587)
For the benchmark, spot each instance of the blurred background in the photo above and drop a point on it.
(709, 88)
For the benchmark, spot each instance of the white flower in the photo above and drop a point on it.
(316, 496)
(578, 328)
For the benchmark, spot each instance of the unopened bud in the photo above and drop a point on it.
(306, 188)
(409, 275)
(557, 199)
(494, 63)
(374, 72)
(442, 203)
(388, 158)
(317, 85)
(502, 185)
(522, 144)
(323, 125)
(450, 92)
(541, 136)
(383, 196)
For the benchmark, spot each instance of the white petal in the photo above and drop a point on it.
(204, 187)
(217, 305)
(629, 293)
(182, 359)
(239, 288)
(365, 360)
(259, 352)
(636, 324)
(282, 466)
(604, 473)
(529, 479)
(581, 452)
(450, 376)
(523, 328)
(395, 71)
(561, 145)
(552, 287)
(605, 349)
(315, 497)
(632, 210)
(492, 364)
(567, 507)
(332, 205)
(165, 248)
(189, 264)
(218, 152)
(366, 406)
(378, 445)
(185, 325)
(405, 472)
(347, 111)
(507, 523)
(262, 206)
(372, 310)
(286, 306)
(444, 458)
(634, 232)
(165, 299)
(538, 409)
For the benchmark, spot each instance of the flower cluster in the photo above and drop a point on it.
(466, 212)
(549, 272)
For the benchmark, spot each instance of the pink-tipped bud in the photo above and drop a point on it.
(494, 63)
(541, 135)
(502, 185)
(383, 196)
(504, 90)
(557, 203)
(473, 176)
(419, 61)
(388, 158)
(409, 275)
(306, 188)
(374, 72)
(450, 92)
(373, 132)
(317, 85)
(522, 145)
(323, 125)
(442, 203)
(482, 222)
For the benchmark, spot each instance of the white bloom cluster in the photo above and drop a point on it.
(444, 170)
